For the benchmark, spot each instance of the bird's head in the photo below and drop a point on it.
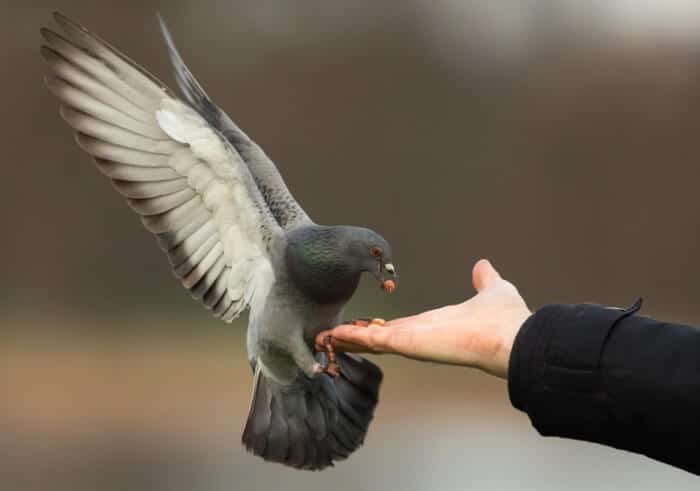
(371, 253)
(326, 262)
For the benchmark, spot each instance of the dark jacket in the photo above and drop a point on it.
(608, 376)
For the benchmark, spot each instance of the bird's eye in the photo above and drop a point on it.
(375, 251)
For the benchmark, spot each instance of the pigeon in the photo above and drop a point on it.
(235, 237)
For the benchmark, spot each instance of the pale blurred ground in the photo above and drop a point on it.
(558, 138)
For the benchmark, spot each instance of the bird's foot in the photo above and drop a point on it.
(366, 322)
(329, 364)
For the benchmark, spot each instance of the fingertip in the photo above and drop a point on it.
(341, 333)
(344, 338)
(483, 274)
(476, 273)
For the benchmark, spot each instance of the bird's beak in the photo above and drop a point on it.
(389, 285)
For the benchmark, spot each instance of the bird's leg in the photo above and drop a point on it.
(326, 348)
(366, 322)
(305, 359)
(325, 361)
(331, 367)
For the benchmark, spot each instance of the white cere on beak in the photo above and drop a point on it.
(390, 268)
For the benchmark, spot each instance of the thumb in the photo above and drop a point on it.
(484, 275)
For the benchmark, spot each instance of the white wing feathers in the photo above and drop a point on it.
(190, 187)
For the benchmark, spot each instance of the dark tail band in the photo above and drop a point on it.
(313, 423)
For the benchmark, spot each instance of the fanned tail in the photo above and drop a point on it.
(313, 423)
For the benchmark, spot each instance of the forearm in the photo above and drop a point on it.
(607, 376)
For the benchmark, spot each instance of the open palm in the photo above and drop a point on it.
(478, 332)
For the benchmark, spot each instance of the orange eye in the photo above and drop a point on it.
(375, 251)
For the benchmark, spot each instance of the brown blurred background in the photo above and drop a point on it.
(557, 138)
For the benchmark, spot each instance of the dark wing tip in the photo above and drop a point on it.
(60, 16)
(66, 22)
(189, 86)
(48, 34)
(161, 20)
(48, 54)
(175, 56)
(165, 31)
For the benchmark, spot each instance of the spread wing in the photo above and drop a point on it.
(189, 185)
(282, 204)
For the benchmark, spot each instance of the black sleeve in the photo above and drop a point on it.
(608, 376)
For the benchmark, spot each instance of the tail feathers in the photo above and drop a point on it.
(313, 423)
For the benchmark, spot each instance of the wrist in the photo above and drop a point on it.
(496, 361)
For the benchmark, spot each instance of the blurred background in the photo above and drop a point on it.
(558, 138)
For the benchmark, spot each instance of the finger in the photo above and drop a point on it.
(339, 343)
(484, 275)
(404, 320)
(427, 317)
(361, 339)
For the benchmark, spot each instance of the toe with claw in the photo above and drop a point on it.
(330, 366)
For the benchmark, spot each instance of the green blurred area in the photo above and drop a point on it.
(559, 140)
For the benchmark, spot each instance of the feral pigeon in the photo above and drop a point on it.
(235, 238)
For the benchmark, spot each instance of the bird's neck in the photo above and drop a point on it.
(317, 266)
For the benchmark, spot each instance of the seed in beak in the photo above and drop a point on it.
(389, 286)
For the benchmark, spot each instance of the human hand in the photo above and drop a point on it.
(478, 332)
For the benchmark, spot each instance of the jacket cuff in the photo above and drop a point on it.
(554, 369)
